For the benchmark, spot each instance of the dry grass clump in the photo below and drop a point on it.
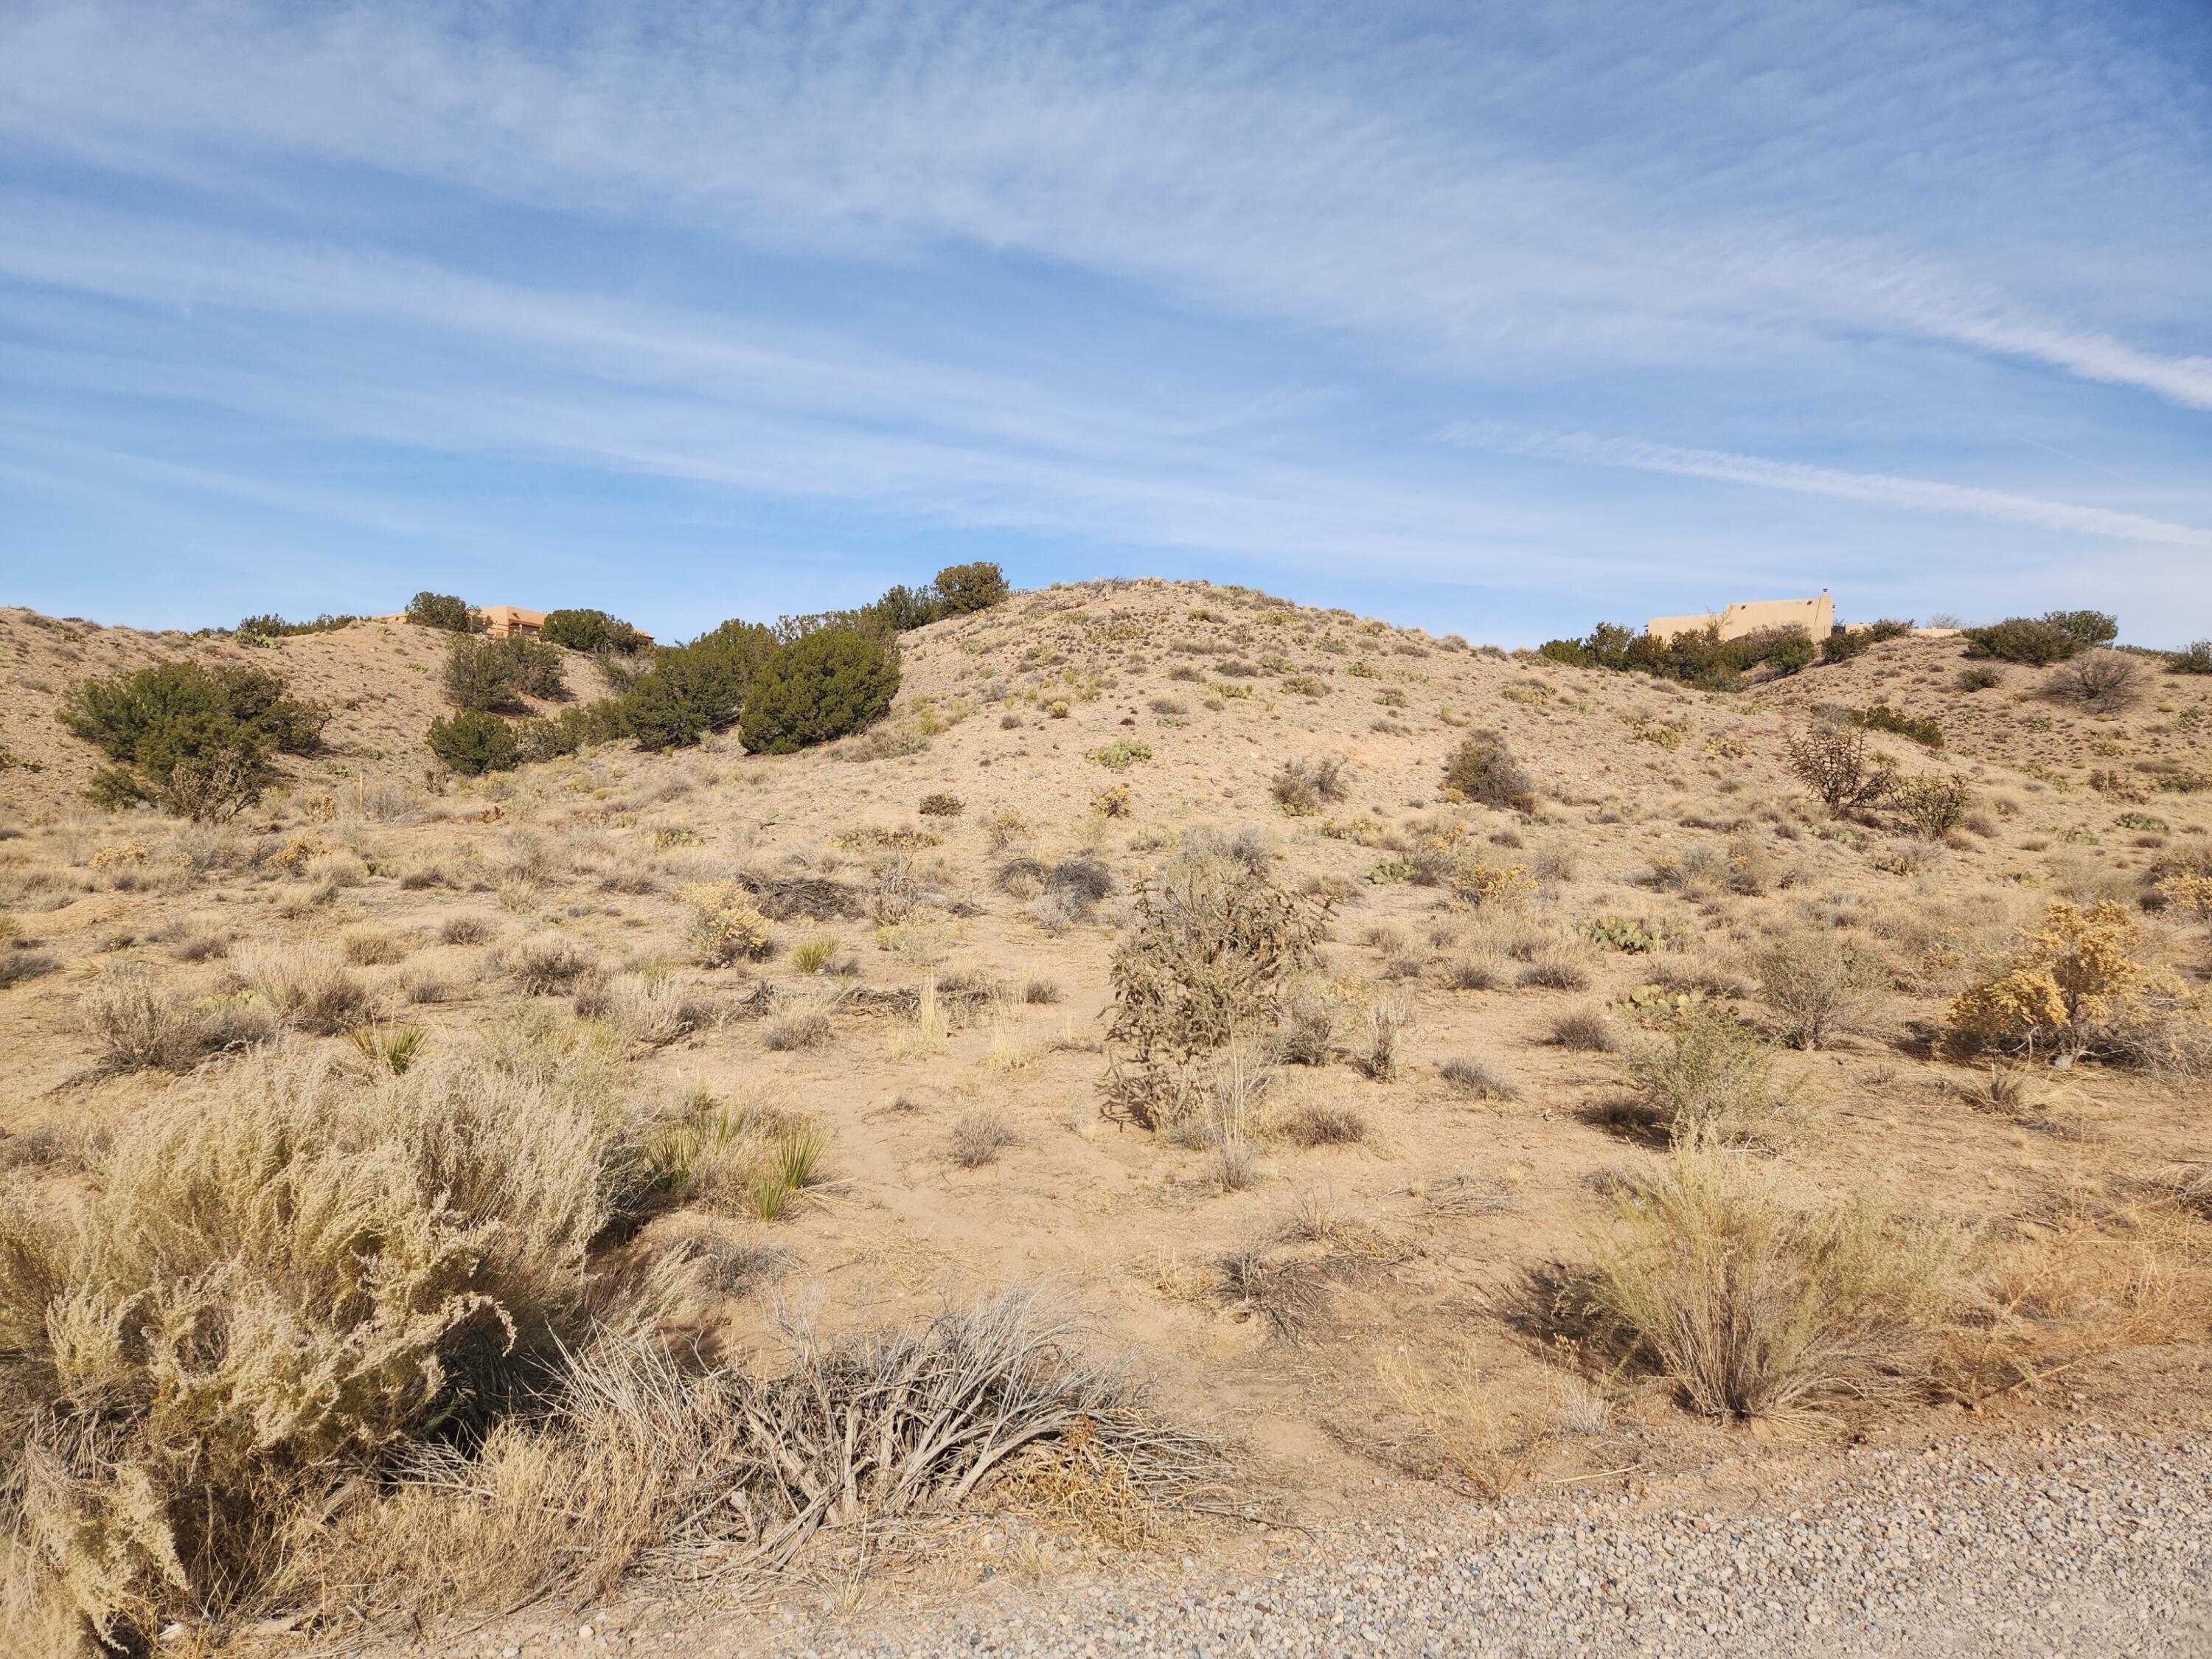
(723, 924)
(465, 930)
(812, 954)
(1322, 1123)
(2102, 682)
(1814, 983)
(1756, 1306)
(651, 1005)
(276, 1282)
(547, 967)
(1303, 788)
(307, 985)
(1461, 1419)
(1482, 771)
(979, 1137)
(1710, 1079)
(1478, 1079)
(141, 1027)
(1586, 1030)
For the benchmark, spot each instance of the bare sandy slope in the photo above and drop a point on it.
(379, 680)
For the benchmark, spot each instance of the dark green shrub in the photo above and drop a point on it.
(967, 587)
(227, 721)
(546, 738)
(1844, 644)
(2090, 627)
(473, 743)
(696, 689)
(1978, 679)
(1482, 770)
(1792, 655)
(1889, 628)
(444, 611)
(482, 674)
(2039, 641)
(270, 626)
(2195, 658)
(1882, 717)
(590, 631)
(825, 685)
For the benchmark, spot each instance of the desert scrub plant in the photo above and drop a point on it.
(821, 685)
(940, 804)
(484, 675)
(2074, 986)
(548, 967)
(1483, 772)
(1122, 754)
(723, 924)
(141, 1027)
(642, 1452)
(1322, 1123)
(1756, 1307)
(233, 1361)
(812, 954)
(473, 743)
(306, 985)
(1834, 761)
(2040, 640)
(1202, 965)
(219, 726)
(1815, 984)
(1709, 1080)
(979, 1136)
(1303, 788)
(1932, 807)
(2102, 682)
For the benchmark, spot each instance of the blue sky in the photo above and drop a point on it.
(1491, 317)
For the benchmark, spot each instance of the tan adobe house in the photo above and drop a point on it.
(1817, 617)
(505, 619)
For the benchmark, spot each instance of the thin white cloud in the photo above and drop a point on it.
(1313, 169)
(1876, 488)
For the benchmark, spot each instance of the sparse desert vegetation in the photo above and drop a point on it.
(1105, 1068)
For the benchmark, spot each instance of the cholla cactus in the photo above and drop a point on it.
(724, 922)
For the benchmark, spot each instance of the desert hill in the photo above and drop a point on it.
(895, 955)
(379, 680)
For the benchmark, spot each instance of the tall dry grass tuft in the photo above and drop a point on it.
(1759, 1307)
(307, 985)
(280, 1276)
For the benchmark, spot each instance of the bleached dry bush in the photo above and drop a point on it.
(305, 986)
(645, 1459)
(280, 1276)
(1759, 1307)
(140, 1025)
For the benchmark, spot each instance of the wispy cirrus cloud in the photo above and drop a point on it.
(1876, 488)
(1195, 278)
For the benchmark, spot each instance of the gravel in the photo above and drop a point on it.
(2077, 1542)
(2082, 1543)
